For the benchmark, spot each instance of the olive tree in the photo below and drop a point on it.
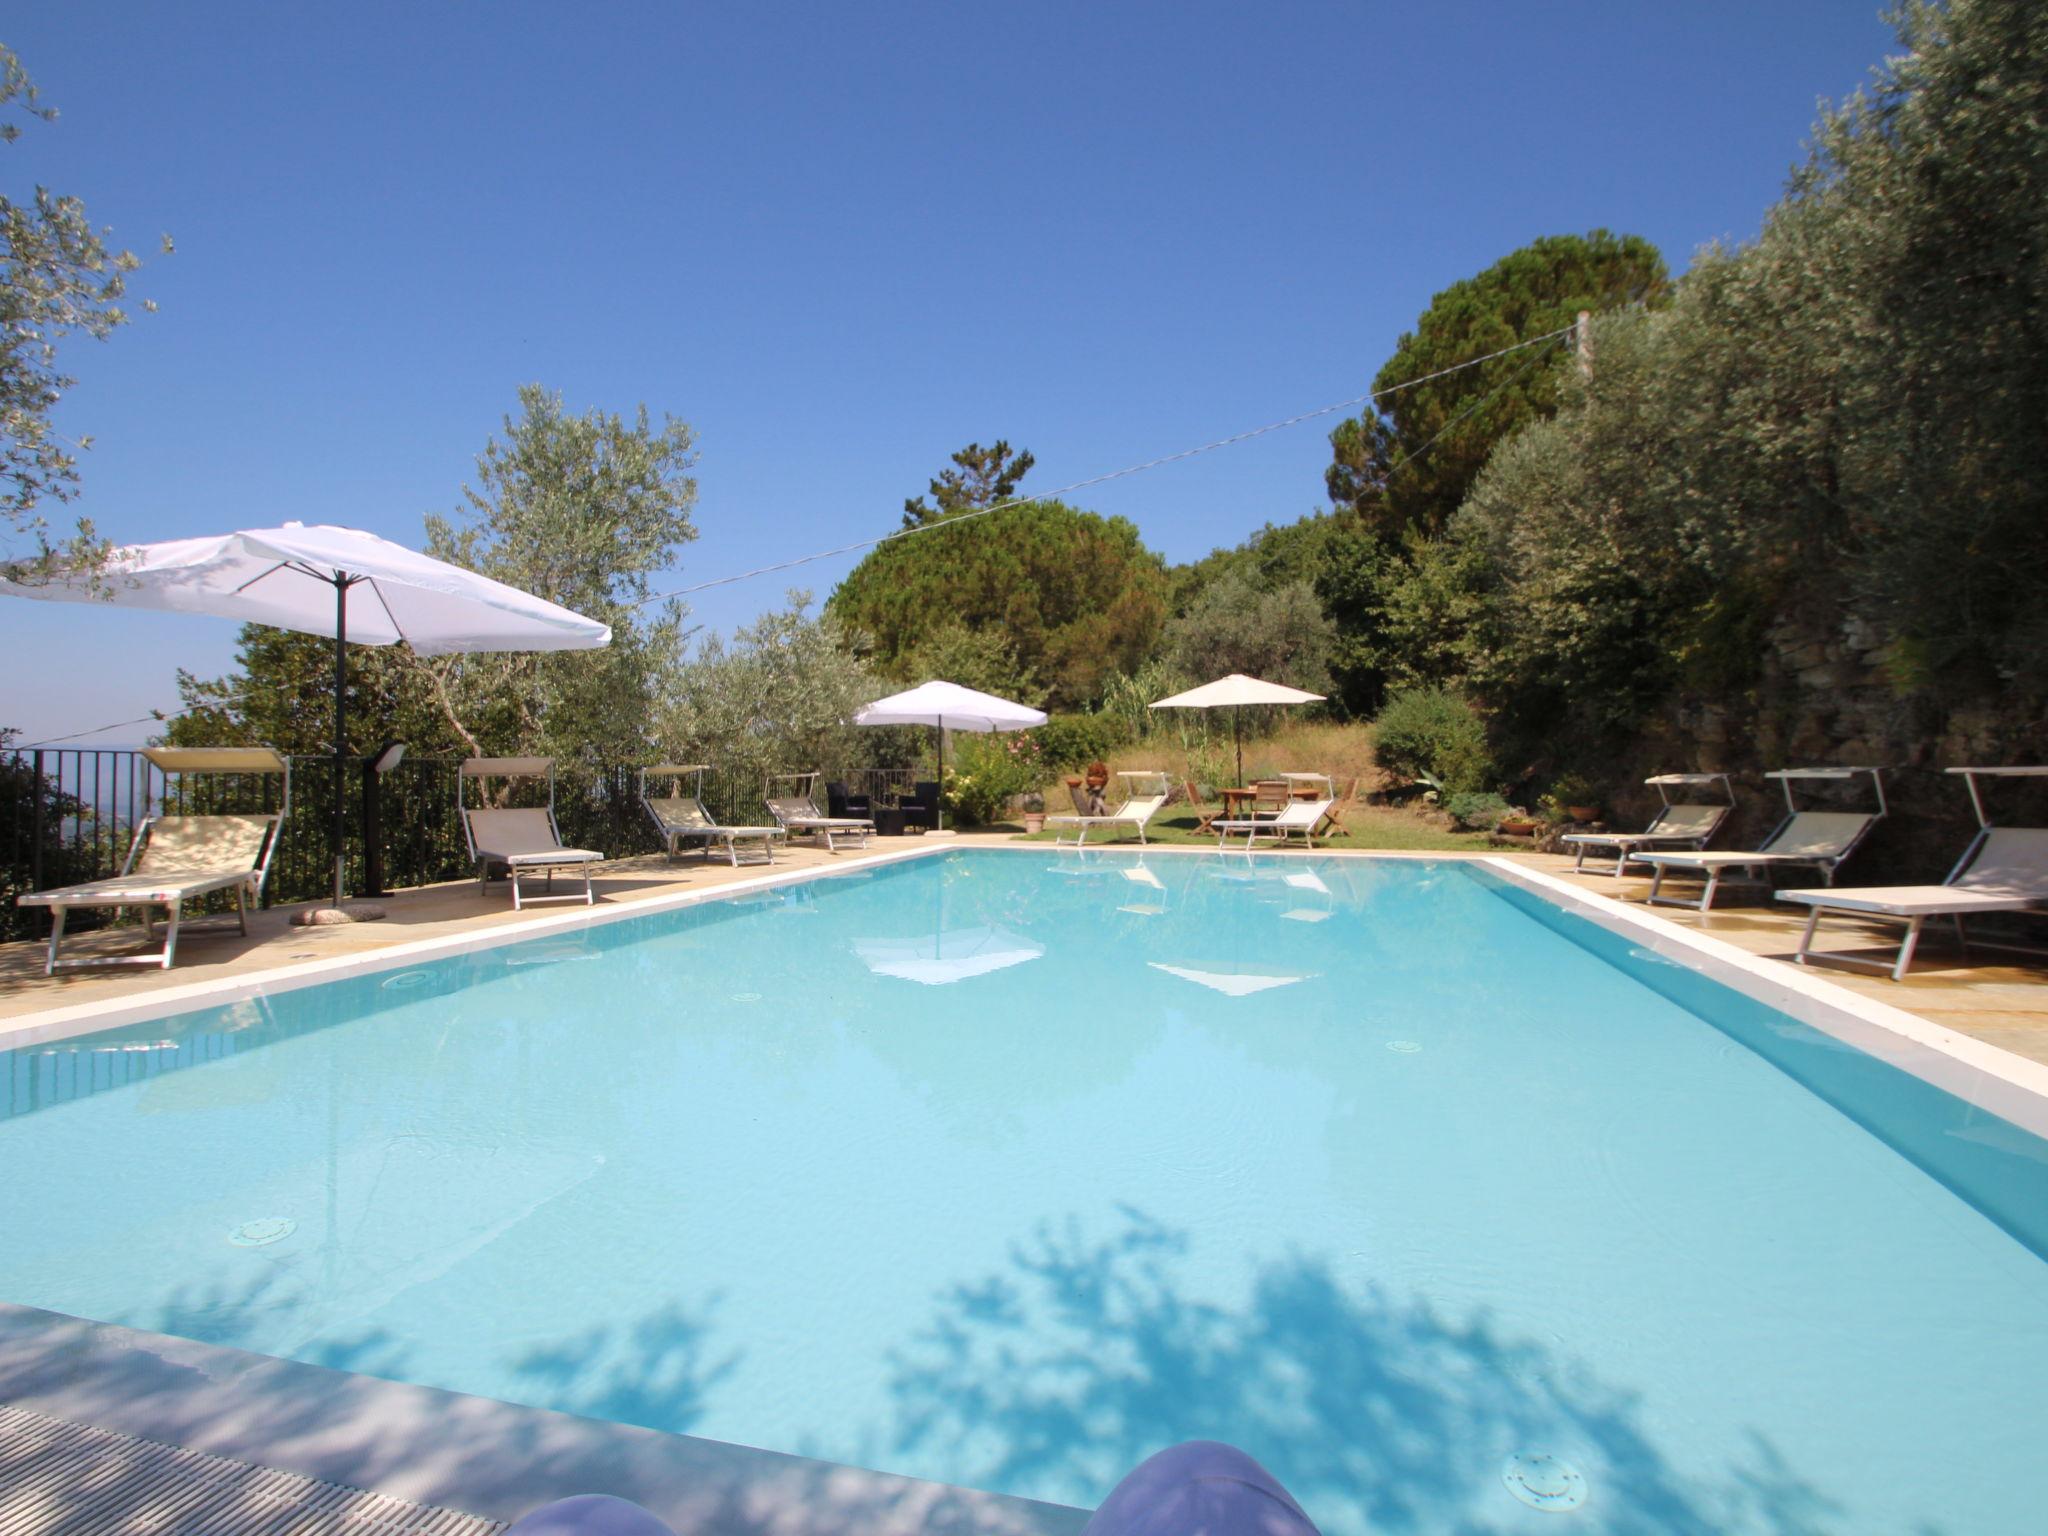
(59, 280)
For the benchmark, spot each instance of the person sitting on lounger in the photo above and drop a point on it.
(1095, 790)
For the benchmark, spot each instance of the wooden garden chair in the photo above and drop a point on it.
(1333, 818)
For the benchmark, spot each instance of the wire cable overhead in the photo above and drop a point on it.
(1114, 474)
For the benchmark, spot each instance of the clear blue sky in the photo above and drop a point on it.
(839, 241)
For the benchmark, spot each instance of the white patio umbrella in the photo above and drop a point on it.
(1234, 692)
(948, 706)
(324, 580)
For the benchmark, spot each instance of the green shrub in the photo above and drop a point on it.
(1074, 741)
(987, 771)
(1433, 731)
(1479, 812)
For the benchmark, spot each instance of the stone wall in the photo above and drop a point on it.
(1825, 695)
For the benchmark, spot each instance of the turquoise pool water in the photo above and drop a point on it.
(1009, 1168)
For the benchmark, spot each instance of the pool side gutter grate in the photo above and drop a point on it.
(55, 1474)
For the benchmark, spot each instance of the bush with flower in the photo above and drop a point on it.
(988, 771)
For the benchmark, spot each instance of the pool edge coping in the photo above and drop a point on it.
(1814, 1000)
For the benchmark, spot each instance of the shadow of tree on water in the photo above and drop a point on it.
(654, 1370)
(1379, 1413)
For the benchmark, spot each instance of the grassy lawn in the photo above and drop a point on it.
(1371, 827)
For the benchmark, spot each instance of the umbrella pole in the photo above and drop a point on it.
(1237, 736)
(939, 810)
(341, 586)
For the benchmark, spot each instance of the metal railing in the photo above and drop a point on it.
(69, 814)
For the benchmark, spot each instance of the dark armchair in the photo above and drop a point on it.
(922, 808)
(840, 801)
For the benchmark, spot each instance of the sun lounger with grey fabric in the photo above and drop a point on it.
(1818, 840)
(2004, 869)
(682, 818)
(790, 802)
(175, 859)
(1687, 824)
(1145, 791)
(520, 840)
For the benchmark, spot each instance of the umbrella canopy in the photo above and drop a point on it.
(1234, 692)
(287, 578)
(324, 580)
(948, 706)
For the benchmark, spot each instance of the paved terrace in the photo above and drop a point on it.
(1991, 996)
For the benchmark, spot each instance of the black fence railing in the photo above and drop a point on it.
(69, 815)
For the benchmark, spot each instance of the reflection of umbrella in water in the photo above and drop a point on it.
(1230, 983)
(939, 959)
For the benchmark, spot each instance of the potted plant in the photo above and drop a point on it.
(1034, 812)
(1576, 796)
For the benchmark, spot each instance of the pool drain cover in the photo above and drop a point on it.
(1405, 1047)
(265, 1229)
(1544, 1482)
(404, 981)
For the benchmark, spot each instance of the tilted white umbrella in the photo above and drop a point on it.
(1234, 692)
(948, 706)
(324, 580)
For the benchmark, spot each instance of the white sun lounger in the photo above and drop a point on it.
(1137, 809)
(681, 818)
(523, 840)
(2004, 869)
(175, 859)
(1816, 840)
(797, 814)
(1300, 818)
(1688, 824)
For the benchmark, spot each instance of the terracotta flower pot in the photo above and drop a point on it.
(1583, 812)
(1516, 826)
(1034, 821)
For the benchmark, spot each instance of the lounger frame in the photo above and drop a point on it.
(1625, 844)
(1727, 869)
(542, 861)
(798, 816)
(171, 893)
(1817, 902)
(708, 833)
(1122, 816)
(1302, 817)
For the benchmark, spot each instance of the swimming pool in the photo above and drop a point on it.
(1005, 1169)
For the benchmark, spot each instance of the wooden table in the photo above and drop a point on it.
(1235, 803)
